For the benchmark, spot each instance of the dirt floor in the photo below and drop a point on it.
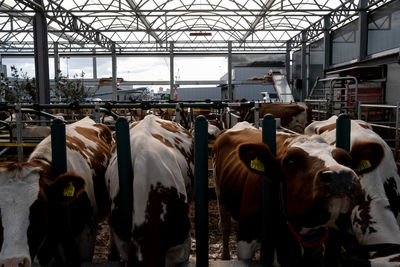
(214, 234)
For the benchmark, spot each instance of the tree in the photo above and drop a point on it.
(19, 89)
(72, 90)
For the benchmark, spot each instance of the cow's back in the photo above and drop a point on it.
(233, 178)
(88, 147)
(162, 163)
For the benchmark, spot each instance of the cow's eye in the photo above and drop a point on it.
(288, 162)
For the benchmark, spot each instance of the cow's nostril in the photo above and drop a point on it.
(20, 264)
(325, 177)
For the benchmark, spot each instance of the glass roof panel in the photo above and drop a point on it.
(194, 25)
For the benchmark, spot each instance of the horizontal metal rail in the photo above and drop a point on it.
(9, 144)
(142, 105)
(397, 122)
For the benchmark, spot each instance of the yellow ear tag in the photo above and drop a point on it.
(69, 190)
(364, 164)
(257, 165)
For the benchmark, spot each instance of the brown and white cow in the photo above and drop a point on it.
(55, 217)
(295, 116)
(162, 163)
(320, 187)
(376, 219)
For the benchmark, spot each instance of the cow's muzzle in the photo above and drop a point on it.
(338, 190)
(15, 262)
(337, 183)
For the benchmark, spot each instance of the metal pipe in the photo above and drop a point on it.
(201, 189)
(177, 113)
(343, 132)
(256, 115)
(270, 196)
(2, 152)
(397, 133)
(18, 115)
(125, 172)
(58, 147)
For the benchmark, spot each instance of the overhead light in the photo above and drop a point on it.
(200, 34)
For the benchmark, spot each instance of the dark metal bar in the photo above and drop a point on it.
(343, 132)
(270, 197)
(144, 105)
(58, 147)
(201, 188)
(125, 171)
(41, 56)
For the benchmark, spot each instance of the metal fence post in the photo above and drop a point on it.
(343, 132)
(359, 110)
(201, 187)
(58, 147)
(125, 172)
(396, 155)
(178, 113)
(270, 196)
(18, 119)
(96, 113)
(256, 115)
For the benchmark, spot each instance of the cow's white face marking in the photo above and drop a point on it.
(19, 189)
(241, 126)
(316, 146)
(299, 121)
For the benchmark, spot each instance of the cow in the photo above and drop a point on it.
(162, 163)
(294, 116)
(320, 185)
(376, 220)
(54, 217)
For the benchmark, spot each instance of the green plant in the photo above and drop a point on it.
(20, 88)
(72, 90)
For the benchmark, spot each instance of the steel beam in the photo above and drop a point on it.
(287, 61)
(63, 17)
(327, 43)
(257, 20)
(143, 19)
(41, 56)
(94, 61)
(56, 62)
(114, 72)
(303, 94)
(230, 88)
(171, 71)
(363, 30)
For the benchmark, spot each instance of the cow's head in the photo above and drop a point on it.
(25, 198)
(320, 181)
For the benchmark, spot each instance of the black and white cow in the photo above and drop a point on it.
(162, 163)
(376, 220)
(55, 217)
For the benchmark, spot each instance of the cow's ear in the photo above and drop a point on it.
(65, 189)
(366, 156)
(259, 159)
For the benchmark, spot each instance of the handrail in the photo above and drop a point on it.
(397, 122)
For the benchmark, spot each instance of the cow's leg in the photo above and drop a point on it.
(225, 225)
(178, 254)
(86, 241)
(245, 250)
(113, 255)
